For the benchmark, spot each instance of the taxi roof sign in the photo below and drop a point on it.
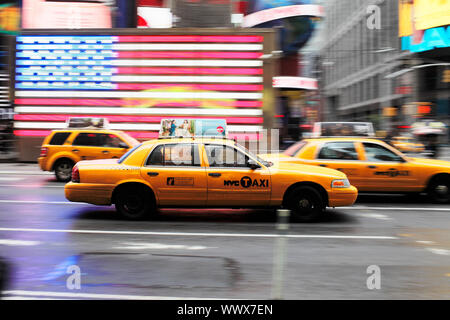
(87, 123)
(343, 129)
(191, 128)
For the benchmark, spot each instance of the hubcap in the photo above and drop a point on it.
(304, 203)
(441, 189)
(132, 204)
(64, 170)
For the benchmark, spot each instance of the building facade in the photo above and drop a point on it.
(360, 48)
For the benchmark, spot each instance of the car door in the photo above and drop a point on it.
(386, 170)
(342, 156)
(231, 182)
(176, 174)
(86, 146)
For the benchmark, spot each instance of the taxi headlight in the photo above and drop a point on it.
(340, 183)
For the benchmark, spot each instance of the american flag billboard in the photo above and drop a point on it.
(136, 80)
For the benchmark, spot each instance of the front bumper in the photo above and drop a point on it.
(342, 197)
(89, 193)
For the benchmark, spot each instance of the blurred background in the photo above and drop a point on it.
(290, 63)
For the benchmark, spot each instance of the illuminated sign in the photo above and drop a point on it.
(70, 15)
(295, 83)
(193, 128)
(271, 14)
(9, 18)
(134, 81)
(432, 39)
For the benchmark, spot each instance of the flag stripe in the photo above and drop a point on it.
(128, 118)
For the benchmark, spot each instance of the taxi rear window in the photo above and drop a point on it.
(59, 138)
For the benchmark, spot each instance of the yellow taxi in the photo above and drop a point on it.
(63, 148)
(407, 144)
(373, 166)
(205, 172)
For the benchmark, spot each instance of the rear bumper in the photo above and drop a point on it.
(42, 161)
(342, 197)
(88, 193)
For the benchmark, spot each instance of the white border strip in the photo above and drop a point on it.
(140, 111)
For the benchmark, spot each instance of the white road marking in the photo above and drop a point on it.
(425, 242)
(375, 216)
(24, 172)
(30, 186)
(11, 242)
(394, 208)
(443, 252)
(79, 295)
(11, 178)
(42, 202)
(199, 234)
(151, 246)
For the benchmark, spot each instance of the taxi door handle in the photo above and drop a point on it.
(322, 165)
(75, 150)
(371, 167)
(214, 174)
(105, 151)
(152, 174)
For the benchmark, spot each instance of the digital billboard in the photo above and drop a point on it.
(136, 80)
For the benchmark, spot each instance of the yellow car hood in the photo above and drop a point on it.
(430, 162)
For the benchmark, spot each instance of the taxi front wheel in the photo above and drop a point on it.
(306, 204)
(134, 203)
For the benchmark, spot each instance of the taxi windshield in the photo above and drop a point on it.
(122, 158)
(244, 149)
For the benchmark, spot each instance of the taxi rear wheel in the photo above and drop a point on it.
(439, 190)
(134, 203)
(306, 204)
(63, 170)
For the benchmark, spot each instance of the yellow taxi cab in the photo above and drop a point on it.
(205, 172)
(63, 148)
(373, 166)
(407, 144)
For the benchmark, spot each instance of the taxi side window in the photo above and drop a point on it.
(174, 155)
(225, 156)
(375, 152)
(86, 139)
(338, 151)
(109, 140)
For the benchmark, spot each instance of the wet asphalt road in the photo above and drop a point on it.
(225, 254)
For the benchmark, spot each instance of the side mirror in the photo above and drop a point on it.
(252, 164)
(123, 145)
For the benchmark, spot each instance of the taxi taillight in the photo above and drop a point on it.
(75, 174)
(44, 151)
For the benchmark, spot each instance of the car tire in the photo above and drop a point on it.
(306, 204)
(63, 170)
(439, 190)
(134, 203)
